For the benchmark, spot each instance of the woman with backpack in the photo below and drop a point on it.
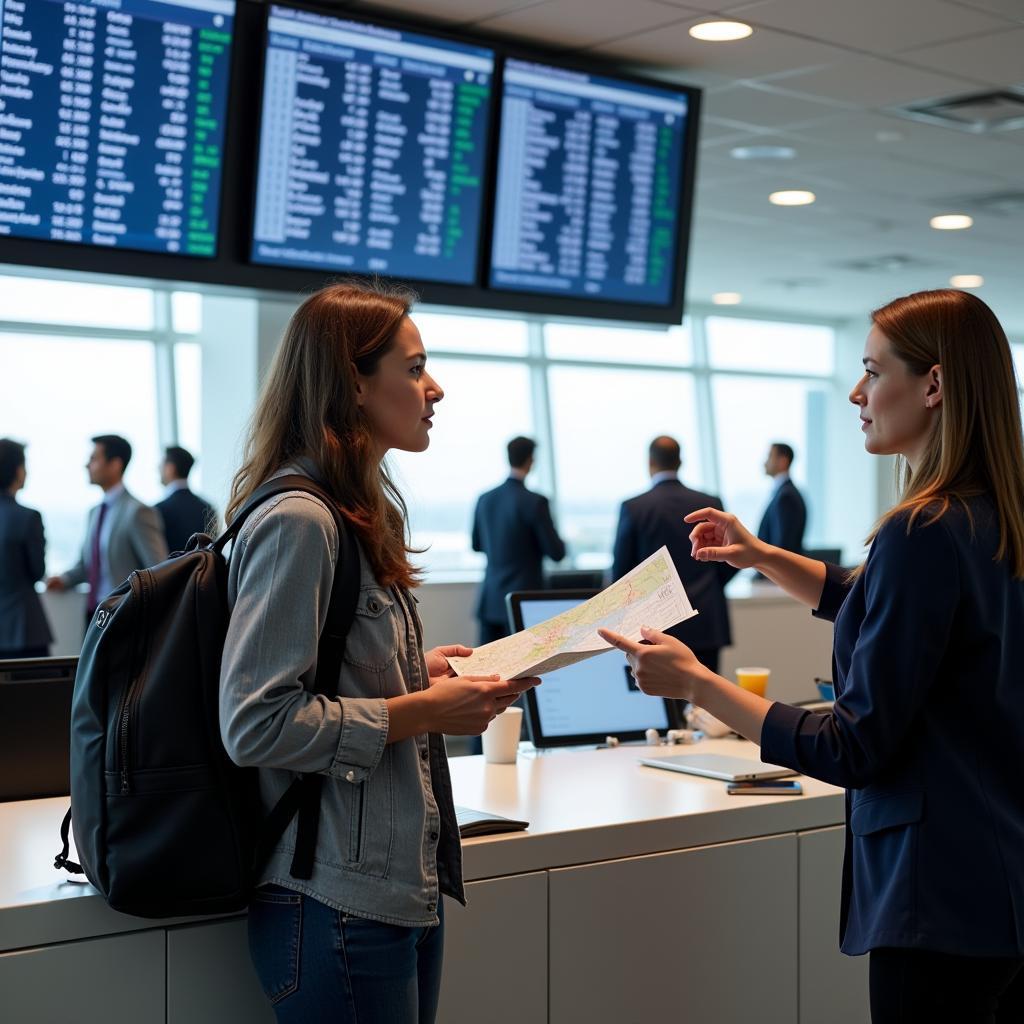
(361, 939)
(927, 731)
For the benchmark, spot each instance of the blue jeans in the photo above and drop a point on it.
(319, 965)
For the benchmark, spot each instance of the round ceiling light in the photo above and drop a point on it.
(792, 197)
(951, 222)
(762, 152)
(727, 298)
(967, 280)
(720, 31)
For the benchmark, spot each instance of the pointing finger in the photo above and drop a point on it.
(623, 643)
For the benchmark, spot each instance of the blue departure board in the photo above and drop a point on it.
(372, 149)
(589, 189)
(112, 121)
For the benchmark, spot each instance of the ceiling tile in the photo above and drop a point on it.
(761, 108)
(581, 23)
(462, 11)
(1012, 9)
(995, 58)
(871, 82)
(875, 26)
(765, 52)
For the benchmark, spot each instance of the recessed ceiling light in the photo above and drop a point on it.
(967, 280)
(720, 31)
(792, 197)
(762, 152)
(951, 222)
(727, 298)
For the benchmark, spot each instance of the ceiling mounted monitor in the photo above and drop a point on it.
(372, 149)
(112, 121)
(594, 188)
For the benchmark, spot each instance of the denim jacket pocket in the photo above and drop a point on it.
(887, 811)
(373, 642)
(370, 806)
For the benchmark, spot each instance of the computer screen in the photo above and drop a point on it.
(112, 121)
(590, 195)
(372, 149)
(35, 726)
(587, 701)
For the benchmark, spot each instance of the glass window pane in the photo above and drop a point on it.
(603, 422)
(793, 412)
(188, 371)
(673, 347)
(485, 405)
(186, 312)
(738, 344)
(38, 300)
(446, 332)
(103, 387)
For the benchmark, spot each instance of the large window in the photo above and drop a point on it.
(99, 358)
(82, 359)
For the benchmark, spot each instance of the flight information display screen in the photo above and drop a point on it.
(112, 121)
(589, 186)
(372, 149)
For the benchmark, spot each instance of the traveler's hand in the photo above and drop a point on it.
(662, 665)
(55, 583)
(721, 537)
(437, 660)
(465, 705)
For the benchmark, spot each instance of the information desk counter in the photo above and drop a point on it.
(636, 895)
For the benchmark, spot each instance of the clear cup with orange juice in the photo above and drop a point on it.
(753, 679)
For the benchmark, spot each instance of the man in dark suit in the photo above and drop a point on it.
(122, 533)
(513, 527)
(655, 519)
(183, 512)
(24, 631)
(785, 518)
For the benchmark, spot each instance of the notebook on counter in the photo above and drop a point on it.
(482, 823)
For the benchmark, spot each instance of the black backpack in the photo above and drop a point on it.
(165, 823)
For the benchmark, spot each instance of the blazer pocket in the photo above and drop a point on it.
(880, 813)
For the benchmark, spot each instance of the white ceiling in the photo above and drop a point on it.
(819, 76)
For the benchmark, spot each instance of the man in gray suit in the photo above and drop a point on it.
(24, 631)
(122, 535)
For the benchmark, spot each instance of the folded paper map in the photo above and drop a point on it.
(649, 595)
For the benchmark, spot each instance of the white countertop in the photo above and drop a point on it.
(583, 806)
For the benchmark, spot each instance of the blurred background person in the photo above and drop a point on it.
(122, 534)
(513, 527)
(183, 512)
(653, 520)
(24, 631)
(785, 517)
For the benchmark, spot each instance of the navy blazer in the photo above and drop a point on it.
(513, 527)
(655, 518)
(185, 513)
(22, 562)
(927, 735)
(785, 518)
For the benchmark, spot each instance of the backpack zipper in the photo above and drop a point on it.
(131, 693)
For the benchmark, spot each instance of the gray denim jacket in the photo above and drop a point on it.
(388, 840)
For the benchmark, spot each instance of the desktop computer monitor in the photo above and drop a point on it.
(587, 701)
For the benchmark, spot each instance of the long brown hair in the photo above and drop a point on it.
(307, 407)
(976, 446)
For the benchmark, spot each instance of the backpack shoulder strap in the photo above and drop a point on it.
(303, 795)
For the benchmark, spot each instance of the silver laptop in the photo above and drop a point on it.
(719, 766)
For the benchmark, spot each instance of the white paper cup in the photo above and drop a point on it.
(501, 737)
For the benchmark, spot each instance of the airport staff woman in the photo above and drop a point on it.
(927, 731)
(361, 940)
